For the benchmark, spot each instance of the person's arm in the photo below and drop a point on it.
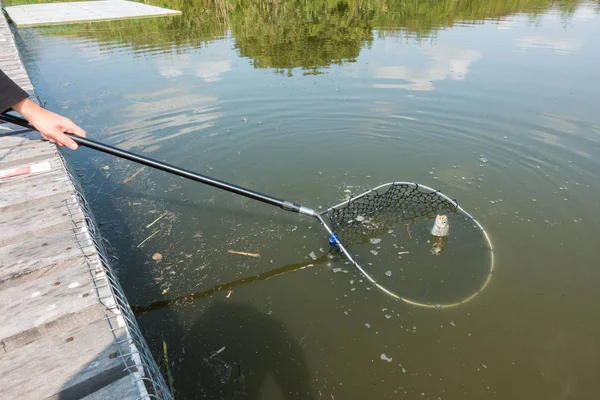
(10, 93)
(52, 126)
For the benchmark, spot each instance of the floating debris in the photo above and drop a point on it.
(136, 173)
(245, 119)
(452, 323)
(483, 160)
(385, 358)
(157, 257)
(368, 325)
(148, 238)
(166, 364)
(165, 291)
(156, 220)
(374, 252)
(229, 294)
(242, 253)
(360, 218)
(375, 240)
(313, 256)
(388, 273)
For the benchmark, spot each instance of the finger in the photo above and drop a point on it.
(64, 140)
(48, 138)
(73, 128)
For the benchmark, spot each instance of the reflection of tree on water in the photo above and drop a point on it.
(288, 34)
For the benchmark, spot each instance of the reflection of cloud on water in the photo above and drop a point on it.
(174, 66)
(446, 63)
(566, 133)
(560, 46)
(586, 11)
(211, 71)
(558, 34)
(163, 115)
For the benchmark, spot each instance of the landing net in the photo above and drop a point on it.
(387, 233)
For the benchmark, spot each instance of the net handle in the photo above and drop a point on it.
(284, 204)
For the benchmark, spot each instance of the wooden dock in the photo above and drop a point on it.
(64, 328)
(82, 11)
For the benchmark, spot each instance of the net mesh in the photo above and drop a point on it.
(373, 213)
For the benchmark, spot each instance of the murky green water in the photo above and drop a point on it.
(307, 101)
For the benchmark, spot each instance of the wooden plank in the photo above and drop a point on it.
(53, 303)
(20, 155)
(124, 387)
(19, 226)
(70, 365)
(39, 256)
(35, 190)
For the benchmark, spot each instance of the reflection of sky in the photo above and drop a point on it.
(560, 46)
(158, 116)
(443, 63)
(554, 31)
(452, 54)
(210, 66)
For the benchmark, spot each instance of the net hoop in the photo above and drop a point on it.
(425, 189)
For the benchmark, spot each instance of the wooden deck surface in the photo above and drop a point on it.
(56, 341)
(82, 11)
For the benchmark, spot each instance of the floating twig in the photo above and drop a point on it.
(403, 252)
(148, 238)
(243, 253)
(168, 372)
(134, 175)
(408, 230)
(155, 221)
(216, 352)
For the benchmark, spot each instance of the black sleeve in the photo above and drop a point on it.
(10, 93)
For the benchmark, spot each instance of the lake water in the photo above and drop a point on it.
(493, 102)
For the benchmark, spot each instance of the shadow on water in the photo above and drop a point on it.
(231, 351)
